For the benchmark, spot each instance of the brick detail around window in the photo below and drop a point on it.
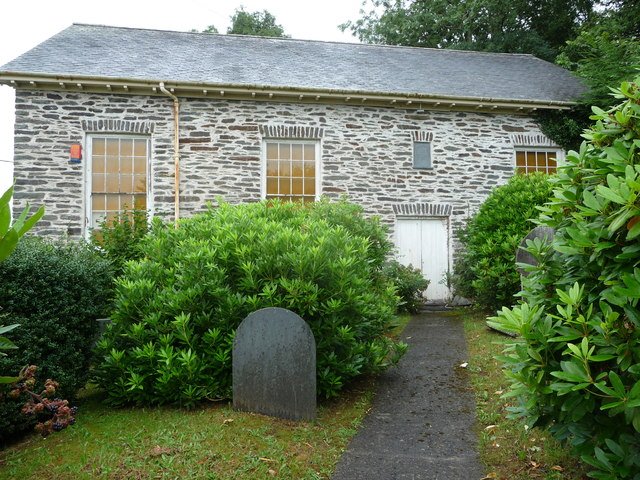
(422, 210)
(117, 126)
(531, 140)
(291, 132)
(421, 136)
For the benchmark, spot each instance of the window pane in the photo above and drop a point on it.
(272, 151)
(140, 202)
(98, 202)
(113, 202)
(309, 169)
(97, 164)
(520, 159)
(113, 146)
(296, 151)
(284, 186)
(140, 185)
(97, 181)
(309, 152)
(310, 186)
(284, 169)
(140, 165)
(113, 164)
(285, 151)
(126, 164)
(272, 168)
(297, 186)
(296, 169)
(140, 148)
(531, 159)
(126, 147)
(272, 186)
(98, 146)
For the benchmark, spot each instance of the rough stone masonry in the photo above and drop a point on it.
(366, 152)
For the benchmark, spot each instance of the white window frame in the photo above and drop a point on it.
(263, 162)
(88, 175)
(532, 148)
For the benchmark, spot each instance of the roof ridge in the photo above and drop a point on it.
(287, 39)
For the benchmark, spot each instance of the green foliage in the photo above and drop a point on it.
(6, 344)
(55, 292)
(120, 238)
(410, 285)
(10, 232)
(262, 24)
(576, 366)
(177, 308)
(605, 52)
(520, 26)
(485, 271)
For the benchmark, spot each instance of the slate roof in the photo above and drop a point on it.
(154, 55)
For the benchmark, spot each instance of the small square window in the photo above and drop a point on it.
(422, 155)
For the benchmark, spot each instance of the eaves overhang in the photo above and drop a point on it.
(410, 101)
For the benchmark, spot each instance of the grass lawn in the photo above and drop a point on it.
(210, 442)
(508, 451)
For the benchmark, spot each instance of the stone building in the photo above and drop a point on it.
(111, 118)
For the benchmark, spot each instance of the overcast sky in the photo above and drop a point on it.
(24, 24)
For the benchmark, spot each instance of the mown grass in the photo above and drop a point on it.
(507, 449)
(213, 442)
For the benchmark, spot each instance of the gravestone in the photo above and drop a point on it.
(522, 256)
(274, 365)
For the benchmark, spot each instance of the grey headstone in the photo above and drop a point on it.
(274, 365)
(522, 256)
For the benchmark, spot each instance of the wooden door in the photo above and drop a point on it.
(424, 243)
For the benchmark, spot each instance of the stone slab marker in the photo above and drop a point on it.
(274, 365)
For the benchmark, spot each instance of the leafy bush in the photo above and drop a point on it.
(55, 292)
(576, 366)
(485, 271)
(120, 237)
(410, 285)
(177, 308)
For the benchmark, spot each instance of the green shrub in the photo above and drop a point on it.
(485, 271)
(410, 285)
(576, 366)
(120, 237)
(55, 292)
(177, 308)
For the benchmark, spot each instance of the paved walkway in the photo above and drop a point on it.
(421, 423)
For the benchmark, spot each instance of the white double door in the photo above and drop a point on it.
(424, 243)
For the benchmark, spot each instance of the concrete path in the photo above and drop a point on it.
(423, 415)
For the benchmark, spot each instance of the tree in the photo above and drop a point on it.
(261, 24)
(518, 26)
(605, 52)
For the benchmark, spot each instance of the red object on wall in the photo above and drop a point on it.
(75, 152)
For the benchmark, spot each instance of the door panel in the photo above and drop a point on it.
(424, 243)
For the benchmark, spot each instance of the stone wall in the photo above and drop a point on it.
(366, 152)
